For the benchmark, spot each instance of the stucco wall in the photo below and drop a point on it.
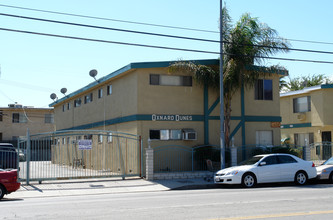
(35, 122)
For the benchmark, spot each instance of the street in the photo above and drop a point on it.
(265, 202)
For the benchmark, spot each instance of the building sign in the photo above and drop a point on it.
(85, 144)
(275, 124)
(172, 117)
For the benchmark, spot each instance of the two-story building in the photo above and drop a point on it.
(171, 109)
(307, 117)
(16, 119)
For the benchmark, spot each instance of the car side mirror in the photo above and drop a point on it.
(262, 164)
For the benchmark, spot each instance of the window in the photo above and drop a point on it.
(109, 90)
(100, 138)
(286, 159)
(77, 102)
(165, 134)
(264, 138)
(100, 93)
(271, 160)
(109, 137)
(68, 105)
(87, 137)
(0, 136)
(175, 134)
(63, 108)
(88, 98)
(302, 139)
(264, 89)
(302, 104)
(19, 118)
(168, 80)
(49, 118)
(1, 114)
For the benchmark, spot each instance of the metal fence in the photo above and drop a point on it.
(8, 157)
(177, 158)
(321, 151)
(79, 154)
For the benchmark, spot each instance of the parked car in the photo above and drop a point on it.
(325, 171)
(8, 182)
(268, 168)
(8, 156)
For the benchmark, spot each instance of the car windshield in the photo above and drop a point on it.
(329, 161)
(251, 161)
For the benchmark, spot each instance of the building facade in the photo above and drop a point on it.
(171, 109)
(307, 117)
(16, 119)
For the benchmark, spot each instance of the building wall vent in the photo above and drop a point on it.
(301, 116)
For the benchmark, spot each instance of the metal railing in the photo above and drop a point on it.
(78, 154)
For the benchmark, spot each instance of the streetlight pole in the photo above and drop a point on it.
(222, 138)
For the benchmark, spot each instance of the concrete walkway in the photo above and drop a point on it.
(103, 186)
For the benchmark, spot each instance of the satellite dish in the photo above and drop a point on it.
(63, 91)
(53, 96)
(93, 73)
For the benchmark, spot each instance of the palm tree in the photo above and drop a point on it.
(299, 83)
(249, 42)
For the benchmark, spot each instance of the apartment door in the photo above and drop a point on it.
(326, 137)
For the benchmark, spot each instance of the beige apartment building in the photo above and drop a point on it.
(16, 119)
(307, 117)
(171, 109)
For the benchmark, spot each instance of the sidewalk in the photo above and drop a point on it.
(103, 186)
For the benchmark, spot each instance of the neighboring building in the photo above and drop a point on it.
(307, 115)
(16, 119)
(171, 109)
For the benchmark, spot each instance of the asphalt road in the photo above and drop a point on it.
(264, 202)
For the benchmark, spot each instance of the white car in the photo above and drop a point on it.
(268, 168)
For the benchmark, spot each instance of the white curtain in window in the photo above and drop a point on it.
(170, 80)
(264, 138)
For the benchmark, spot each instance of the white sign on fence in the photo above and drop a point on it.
(85, 144)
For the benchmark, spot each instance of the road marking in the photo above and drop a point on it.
(278, 215)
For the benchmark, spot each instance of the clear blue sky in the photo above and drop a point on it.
(33, 67)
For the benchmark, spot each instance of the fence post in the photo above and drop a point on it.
(28, 156)
(306, 151)
(233, 153)
(149, 162)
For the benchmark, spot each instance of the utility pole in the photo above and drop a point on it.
(222, 138)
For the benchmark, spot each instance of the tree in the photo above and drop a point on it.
(245, 44)
(299, 83)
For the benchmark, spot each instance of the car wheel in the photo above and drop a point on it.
(2, 191)
(249, 180)
(301, 178)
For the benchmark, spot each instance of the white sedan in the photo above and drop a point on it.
(268, 168)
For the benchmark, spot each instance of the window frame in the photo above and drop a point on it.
(88, 98)
(157, 80)
(297, 105)
(109, 90)
(100, 93)
(263, 91)
(48, 118)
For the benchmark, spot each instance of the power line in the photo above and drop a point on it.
(152, 46)
(156, 34)
(108, 28)
(143, 23)
(106, 41)
(109, 19)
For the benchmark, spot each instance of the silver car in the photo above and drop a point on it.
(325, 171)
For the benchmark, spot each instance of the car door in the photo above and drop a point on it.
(288, 168)
(268, 170)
